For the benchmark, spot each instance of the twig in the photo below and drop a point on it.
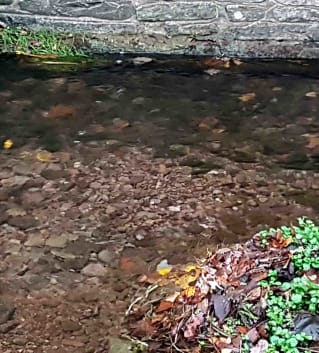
(309, 349)
(149, 290)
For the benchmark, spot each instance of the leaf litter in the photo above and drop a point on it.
(219, 304)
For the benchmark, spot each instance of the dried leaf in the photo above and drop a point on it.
(163, 268)
(61, 111)
(307, 323)
(212, 72)
(192, 326)
(247, 97)
(188, 292)
(280, 242)
(261, 347)
(44, 156)
(120, 124)
(313, 141)
(222, 306)
(253, 335)
(164, 305)
(7, 144)
(237, 62)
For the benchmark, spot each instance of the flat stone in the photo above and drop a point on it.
(94, 270)
(32, 198)
(35, 240)
(178, 11)
(22, 222)
(57, 241)
(106, 256)
(118, 345)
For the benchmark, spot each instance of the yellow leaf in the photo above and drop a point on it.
(189, 292)
(247, 97)
(164, 271)
(7, 144)
(237, 62)
(44, 156)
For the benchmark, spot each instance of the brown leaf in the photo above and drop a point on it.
(164, 305)
(61, 111)
(162, 169)
(280, 242)
(313, 141)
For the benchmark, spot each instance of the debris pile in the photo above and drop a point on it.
(257, 297)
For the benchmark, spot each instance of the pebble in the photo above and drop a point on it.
(94, 270)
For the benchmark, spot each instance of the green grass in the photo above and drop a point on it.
(46, 43)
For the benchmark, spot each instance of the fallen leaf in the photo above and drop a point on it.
(164, 305)
(120, 124)
(7, 144)
(237, 62)
(280, 242)
(247, 97)
(261, 347)
(253, 335)
(212, 72)
(163, 268)
(307, 323)
(126, 264)
(216, 62)
(311, 94)
(242, 330)
(61, 111)
(222, 306)
(188, 292)
(192, 326)
(44, 156)
(313, 141)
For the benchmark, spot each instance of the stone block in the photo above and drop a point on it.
(295, 14)
(195, 29)
(268, 31)
(299, 2)
(108, 10)
(248, 13)
(178, 11)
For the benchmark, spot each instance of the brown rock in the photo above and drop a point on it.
(70, 326)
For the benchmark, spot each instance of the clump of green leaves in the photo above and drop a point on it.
(287, 299)
(14, 40)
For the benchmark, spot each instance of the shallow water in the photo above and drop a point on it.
(165, 103)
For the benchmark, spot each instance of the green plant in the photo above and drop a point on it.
(14, 40)
(286, 299)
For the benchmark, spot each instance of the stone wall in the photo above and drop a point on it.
(245, 28)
